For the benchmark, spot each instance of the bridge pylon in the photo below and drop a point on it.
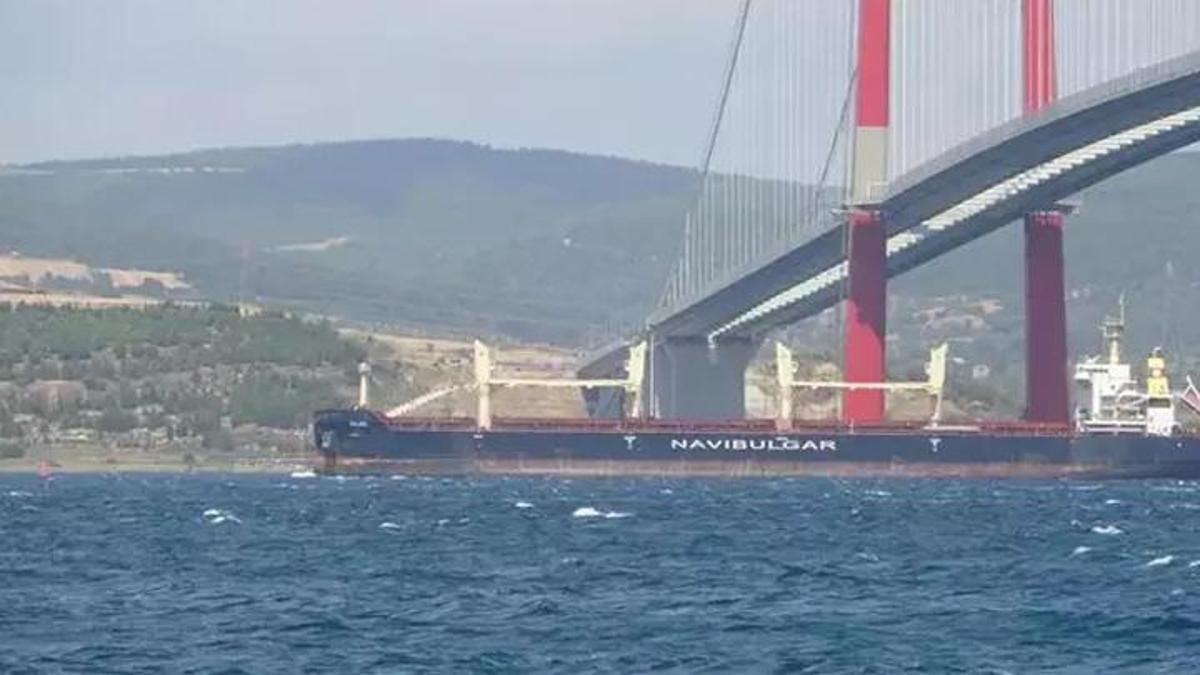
(866, 317)
(1047, 395)
(865, 346)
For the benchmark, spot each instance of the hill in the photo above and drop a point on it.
(553, 246)
(534, 244)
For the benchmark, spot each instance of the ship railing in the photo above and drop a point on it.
(1020, 428)
(545, 424)
(429, 423)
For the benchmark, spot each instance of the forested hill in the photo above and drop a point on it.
(168, 379)
(534, 244)
(546, 245)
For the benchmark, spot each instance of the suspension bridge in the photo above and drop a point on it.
(855, 140)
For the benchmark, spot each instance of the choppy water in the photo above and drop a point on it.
(266, 574)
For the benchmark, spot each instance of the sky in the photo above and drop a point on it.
(89, 78)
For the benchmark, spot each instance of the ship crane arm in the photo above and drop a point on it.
(485, 381)
(785, 365)
(426, 399)
(1191, 397)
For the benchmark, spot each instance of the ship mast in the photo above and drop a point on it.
(1113, 330)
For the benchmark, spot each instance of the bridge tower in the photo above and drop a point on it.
(865, 346)
(1046, 389)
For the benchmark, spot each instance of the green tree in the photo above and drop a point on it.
(116, 420)
(9, 450)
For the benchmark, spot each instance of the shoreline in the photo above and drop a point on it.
(281, 467)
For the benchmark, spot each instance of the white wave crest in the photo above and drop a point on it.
(304, 473)
(20, 494)
(1194, 563)
(1159, 562)
(523, 505)
(389, 525)
(1112, 502)
(1182, 487)
(1107, 529)
(590, 512)
(1080, 550)
(217, 517)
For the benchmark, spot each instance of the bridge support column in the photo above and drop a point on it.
(693, 381)
(865, 353)
(866, 258)
(1047, 396)
(1046, 391)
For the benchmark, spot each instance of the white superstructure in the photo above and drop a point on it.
(1116, 402)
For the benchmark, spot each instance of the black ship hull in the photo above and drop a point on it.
(361, 441)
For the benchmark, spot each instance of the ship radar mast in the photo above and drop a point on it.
(1113, 329)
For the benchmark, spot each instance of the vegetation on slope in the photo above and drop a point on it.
(533, 244)
(555, 247)
(165, 376)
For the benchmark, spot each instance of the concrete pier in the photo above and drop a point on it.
(692, 380)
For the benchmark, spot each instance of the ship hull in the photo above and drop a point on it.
(359, 441)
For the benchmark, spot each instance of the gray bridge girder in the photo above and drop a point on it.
(964, 171)
(939, 243)
(969, 169)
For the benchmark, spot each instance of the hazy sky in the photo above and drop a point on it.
(84, 78)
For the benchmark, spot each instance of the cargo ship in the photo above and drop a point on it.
(1125, 430)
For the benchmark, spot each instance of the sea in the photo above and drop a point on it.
(277, 574)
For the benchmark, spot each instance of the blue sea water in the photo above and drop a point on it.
(179, 574)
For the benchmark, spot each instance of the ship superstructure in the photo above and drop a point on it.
(1117, 403)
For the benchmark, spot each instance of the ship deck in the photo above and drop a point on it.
(765, 426)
